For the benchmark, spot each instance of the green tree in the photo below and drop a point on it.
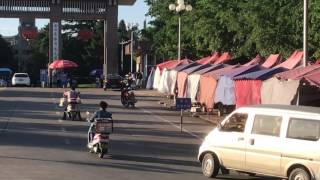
(6, 53)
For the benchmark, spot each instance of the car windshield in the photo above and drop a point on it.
(21, 75)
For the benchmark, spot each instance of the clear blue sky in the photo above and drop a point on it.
(130, 14)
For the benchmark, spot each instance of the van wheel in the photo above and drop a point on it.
(299, 174)
(210, 165)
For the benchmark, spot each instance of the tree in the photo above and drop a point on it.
(241, 27)
(6, 53)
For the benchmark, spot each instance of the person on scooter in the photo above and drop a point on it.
(72, 97)
(102, 113)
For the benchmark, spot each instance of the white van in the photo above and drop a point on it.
(273, 140)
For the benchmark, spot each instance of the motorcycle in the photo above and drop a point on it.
(127, 96)
(100, 143)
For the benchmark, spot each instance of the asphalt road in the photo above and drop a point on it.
(147, 144)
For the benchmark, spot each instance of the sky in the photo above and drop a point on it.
(130, 14)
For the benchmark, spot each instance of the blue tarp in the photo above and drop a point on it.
(196, 68)
(242, 70)
(5, 71)
(261, 74)
(210, 68)
(184, 66)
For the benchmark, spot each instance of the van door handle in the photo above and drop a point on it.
(251, 141)
(240, 138)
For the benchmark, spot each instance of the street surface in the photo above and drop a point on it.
(147, 144)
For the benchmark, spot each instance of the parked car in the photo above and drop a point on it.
(113, 81)
(273, 140)
(20, 79)
(3, 83)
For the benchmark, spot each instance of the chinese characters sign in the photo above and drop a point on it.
(55, 40)
(183, 103)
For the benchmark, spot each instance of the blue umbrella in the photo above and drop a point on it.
(96, 72)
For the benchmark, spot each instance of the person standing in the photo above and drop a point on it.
(139, 79)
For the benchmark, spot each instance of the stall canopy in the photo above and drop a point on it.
(168, 78)
(166, 65)
(209, 59)
(254, 61)
(282, 89)
(313, 78)
(293, 61)
(225, 93)
(183, 76)
(193, 81)
(272, 60)
(298, 73)
(223, 58)
(208, 84)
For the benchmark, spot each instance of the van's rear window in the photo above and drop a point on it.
(304, 129)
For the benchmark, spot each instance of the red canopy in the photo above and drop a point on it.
(272, 60)
(293, 61)
(207, 86)
(223, 58)
(62, 64)
(254, 61)
(243, 98)
(298, 73)
(209, 59)
(313, 78)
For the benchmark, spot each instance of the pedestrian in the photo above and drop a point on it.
(139, 79)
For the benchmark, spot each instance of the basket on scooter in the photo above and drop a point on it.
(104, 125)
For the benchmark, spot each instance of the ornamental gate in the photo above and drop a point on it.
(57, 10)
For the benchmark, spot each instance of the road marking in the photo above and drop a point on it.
(171, 123)
(63, 129)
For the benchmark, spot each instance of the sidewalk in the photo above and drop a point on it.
(199, 124)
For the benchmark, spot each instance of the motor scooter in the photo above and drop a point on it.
(72, 110)
(128, 97)
(101, 129)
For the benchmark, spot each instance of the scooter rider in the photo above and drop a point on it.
(102, 113)
(72, 98)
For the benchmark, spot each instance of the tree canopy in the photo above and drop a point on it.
(241, 27)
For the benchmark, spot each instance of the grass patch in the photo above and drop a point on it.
(87, 85)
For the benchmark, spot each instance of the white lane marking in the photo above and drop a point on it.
(171, 123)
(63, 129)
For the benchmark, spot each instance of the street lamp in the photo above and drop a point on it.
(305, 32)
(131, 26)
(179, 7)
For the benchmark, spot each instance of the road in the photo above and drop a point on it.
(147, 144)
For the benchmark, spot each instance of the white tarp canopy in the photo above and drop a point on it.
(275, 91)
(192, 87)
(156, 80)
(150, 79)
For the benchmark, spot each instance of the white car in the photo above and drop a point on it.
(21, 79)
(273, 140)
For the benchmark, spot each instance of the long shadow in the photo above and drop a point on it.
(126, 166)
(24, 92)
(154, 132)
(155, 160)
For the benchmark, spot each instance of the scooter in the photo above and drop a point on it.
(72, 111)
(128, 97)
(100, 143)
